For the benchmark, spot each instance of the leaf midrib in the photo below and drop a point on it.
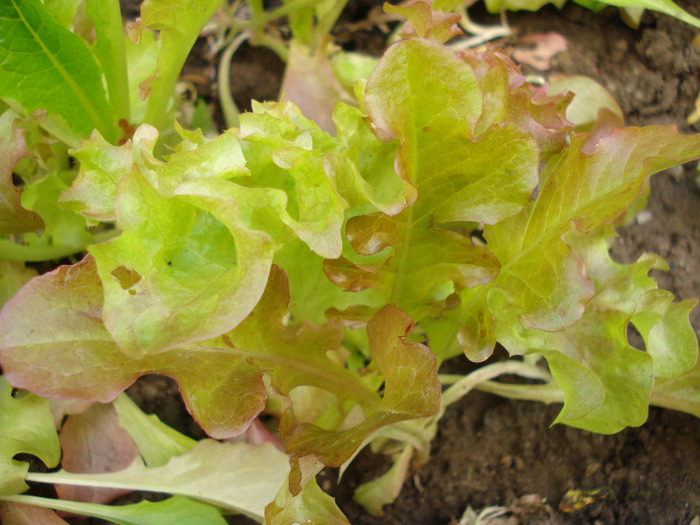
(85, 102)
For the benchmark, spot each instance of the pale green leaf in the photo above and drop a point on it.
(178, 273)
(238, 477)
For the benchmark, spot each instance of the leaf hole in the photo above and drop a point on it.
(127, 277)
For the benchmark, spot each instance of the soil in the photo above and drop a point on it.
(495, 452)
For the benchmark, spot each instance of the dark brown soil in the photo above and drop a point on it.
(495, 452)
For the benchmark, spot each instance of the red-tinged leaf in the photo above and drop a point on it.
(309, 82)
(538, 50)
(512, 99)
(94, 442)
(220, 379)
(411, 390)
(13, 217)
(428, 257)
(23, 514)
(429, 98)
(423, 22)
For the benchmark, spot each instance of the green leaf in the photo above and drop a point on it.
(177, 510)
(156, 441)
(46, 66)
(237, 477)
(65, 229)
(13, 275)
(110, 51)
(590, 98)
(496, 6)
(13, 217)
(179, 23)
(606, 382)
(383, 490)
(26, 426)
(94, 191)
(662, 6)
(667, 332)
(679, 393)
(63, 11)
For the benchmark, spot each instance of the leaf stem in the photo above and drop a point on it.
(13, 251)
(462, 385)
(228, 105)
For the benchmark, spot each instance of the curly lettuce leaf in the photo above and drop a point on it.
(225, 391)
(607, 383)
(429, 98)
(411, 390)
(177, 273)
(540, 273)
(14, 218)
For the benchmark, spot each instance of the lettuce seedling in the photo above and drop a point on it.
(323, 277)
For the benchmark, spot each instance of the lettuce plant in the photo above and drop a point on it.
(322, 277)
